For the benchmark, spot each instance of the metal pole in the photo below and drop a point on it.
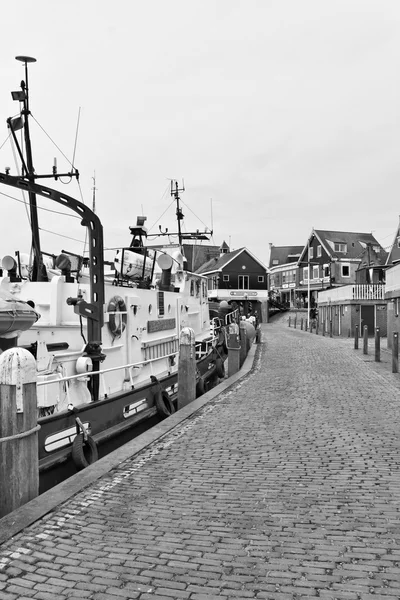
(377, 345)
(365, 348)
(395, 353)
(356, 338)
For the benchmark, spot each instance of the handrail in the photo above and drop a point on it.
(129, 366)
(90, 373)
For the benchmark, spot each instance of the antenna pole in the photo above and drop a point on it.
(94, 188)
(30, 175)
(179, 213)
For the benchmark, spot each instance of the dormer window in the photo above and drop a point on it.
(338, 247)
(275, 261)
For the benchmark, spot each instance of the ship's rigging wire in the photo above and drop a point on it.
(76, 137)
(50, 138)
(56, 212)
(165, 192)
(61, 235)
(5, 141)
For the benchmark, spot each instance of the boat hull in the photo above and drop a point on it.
(111, 422)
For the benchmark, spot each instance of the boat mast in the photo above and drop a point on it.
(28, 171)
(179, 213)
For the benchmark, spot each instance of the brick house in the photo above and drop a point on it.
(239, 278)
(355, 266)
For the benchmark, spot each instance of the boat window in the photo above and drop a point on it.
(169, 308)
(150, 309)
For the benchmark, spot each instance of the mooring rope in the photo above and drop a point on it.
(18, 436)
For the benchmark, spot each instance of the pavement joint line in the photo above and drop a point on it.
(26, 515)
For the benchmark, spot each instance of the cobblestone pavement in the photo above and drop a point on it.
(286, 487)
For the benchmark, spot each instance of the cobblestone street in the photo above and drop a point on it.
(284, 487)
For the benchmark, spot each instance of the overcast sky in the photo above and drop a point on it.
(282, 115)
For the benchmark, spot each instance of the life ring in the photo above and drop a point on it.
(116, 306)
(220, 368)
(84, 452)
(165, 406)
(200, 387)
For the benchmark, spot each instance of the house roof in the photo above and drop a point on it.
(284, 255)
(394, 253)
(356, 242)
(218, 264)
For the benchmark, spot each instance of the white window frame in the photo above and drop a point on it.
(319, 251)
(305, 273)
(311, 252)
(245, 282)
(342, 267)
(261, 279)
(225, 277)
(339, 247)
(315, 270)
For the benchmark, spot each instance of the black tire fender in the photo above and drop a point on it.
(200, 387)
(84, 452)
(220, 368)
(165, 406)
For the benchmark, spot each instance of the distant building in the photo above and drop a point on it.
(283, 273)
(239, 278)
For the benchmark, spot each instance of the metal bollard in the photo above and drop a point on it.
(316, 327)
(295, 322)
(377, 345)
(330, 329)
(311, 324)
(289, 321)
(356, 338)
(365, 337)
(301, 323)
(323, 329)
(395, 353)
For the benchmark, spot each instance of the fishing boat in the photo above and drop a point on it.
(106, 342)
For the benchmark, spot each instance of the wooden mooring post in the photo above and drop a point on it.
(289, 321)
(377, 344)
(243, 342)
(330, 329)
(233, 349)
(19, 457)
(395, 352)
(301, 323)
(186, 368)
(295, 321)
(365, 339)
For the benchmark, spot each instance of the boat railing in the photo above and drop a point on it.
(202, 349)
(232, 317)
(101, 373)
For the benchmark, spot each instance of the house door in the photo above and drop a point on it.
(243, 282)
(367, 318)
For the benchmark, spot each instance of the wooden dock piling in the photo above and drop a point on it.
(186, 368)
(19, 458)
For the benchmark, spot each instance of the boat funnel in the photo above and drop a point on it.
(165, 262)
